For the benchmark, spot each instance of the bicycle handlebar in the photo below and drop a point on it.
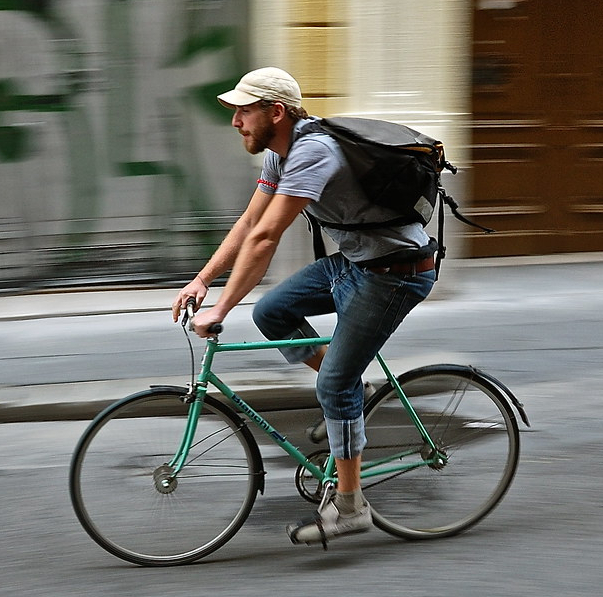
(190, 312)
(215, 328)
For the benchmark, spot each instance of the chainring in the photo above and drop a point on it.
(307, 485)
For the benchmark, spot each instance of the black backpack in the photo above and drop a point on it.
(396, 167)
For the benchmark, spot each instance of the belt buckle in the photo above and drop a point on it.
(378, 270)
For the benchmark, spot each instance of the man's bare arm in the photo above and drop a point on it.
(254, 257)
(225, 255)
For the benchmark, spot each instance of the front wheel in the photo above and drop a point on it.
(446, 491)
(127, 498)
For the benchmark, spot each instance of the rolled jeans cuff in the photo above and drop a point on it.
(346, 438)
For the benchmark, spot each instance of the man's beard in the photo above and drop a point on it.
(260, 139)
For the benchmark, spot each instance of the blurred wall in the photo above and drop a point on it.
(118, 165)
(108, 134)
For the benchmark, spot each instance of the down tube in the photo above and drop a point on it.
(262, 424)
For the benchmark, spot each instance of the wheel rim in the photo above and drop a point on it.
(128, 499)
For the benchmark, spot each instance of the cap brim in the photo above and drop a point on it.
(234, 98)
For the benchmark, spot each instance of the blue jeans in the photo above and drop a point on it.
(369, 308)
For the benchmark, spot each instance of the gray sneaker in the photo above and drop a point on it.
(330, 524)
(317, 432)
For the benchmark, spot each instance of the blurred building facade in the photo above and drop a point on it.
(537, 126)
(118, 165)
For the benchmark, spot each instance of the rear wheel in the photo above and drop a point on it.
(127, 498)
(477, 441)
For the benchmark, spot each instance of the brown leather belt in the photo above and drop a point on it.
(405, 268)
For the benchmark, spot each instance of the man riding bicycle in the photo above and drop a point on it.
(374, 280)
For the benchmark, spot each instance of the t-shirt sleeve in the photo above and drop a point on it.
(268, 180)
(307, 170)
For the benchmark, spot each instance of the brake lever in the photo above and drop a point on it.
(189, 313)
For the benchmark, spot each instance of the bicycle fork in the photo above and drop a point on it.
(177, 462)
(195, 398)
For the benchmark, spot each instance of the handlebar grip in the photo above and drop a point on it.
(190, 307)
(215, 328)
(189, 312)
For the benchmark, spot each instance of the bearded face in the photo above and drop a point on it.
(259, 135)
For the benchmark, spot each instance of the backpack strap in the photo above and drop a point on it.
(318, 243)
(454, 208)
(444, 198)
(402, 220)
(315, 227)
(441, 246)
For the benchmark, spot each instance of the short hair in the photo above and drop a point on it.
(294, 113)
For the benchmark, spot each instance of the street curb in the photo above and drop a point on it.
(290, 388)
(86, 303)
(281, 398)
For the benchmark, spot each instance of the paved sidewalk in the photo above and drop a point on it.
(92, 302)
(104, 301)
(293, 387)
(76, 401)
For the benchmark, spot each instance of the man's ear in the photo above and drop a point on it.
(279, 112)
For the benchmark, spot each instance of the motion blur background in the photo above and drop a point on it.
(118, 166)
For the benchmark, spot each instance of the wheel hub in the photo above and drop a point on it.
(164, 479)
(437, 456)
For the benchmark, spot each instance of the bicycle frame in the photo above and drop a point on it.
(391, 465)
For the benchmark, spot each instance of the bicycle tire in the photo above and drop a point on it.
(471, 421)
(117, 467)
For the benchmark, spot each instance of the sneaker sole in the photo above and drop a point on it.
(291, 531)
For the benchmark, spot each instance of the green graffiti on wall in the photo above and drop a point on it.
(105, 107)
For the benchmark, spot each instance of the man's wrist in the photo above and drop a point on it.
(221, 310)
(199, 277)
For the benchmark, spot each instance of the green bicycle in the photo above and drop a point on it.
(168, 475)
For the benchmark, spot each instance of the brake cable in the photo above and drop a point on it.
(188, 314)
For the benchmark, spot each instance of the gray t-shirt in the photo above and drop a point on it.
(315, 168)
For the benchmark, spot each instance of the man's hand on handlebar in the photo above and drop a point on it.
(195, 290)
(207, 323)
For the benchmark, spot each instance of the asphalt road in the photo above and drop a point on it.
(518, 322)
(544, 539)
(538, 328)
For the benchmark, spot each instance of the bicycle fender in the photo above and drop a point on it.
(169, 387)
(512, 398)
(487, 377)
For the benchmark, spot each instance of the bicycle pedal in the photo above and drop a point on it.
(317, 433)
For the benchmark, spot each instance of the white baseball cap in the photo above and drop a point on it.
(270, 83)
